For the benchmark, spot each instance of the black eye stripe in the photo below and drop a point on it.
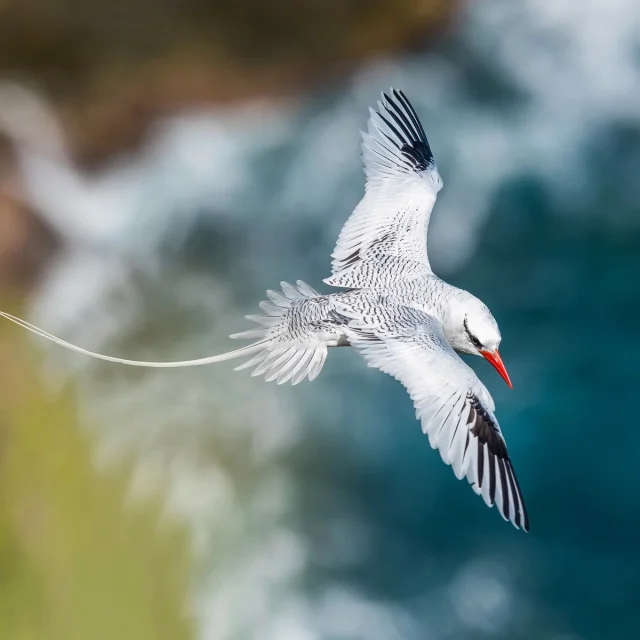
(474, 340)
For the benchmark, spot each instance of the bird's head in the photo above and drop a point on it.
(470, 328)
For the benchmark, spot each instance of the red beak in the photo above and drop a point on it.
(494, 358)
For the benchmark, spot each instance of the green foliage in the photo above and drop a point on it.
(78, 558)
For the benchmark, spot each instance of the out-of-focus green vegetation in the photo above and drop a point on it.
(78, 558)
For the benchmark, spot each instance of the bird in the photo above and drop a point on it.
(392, 310)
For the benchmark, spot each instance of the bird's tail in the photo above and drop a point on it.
(271, 352)
(244, 351)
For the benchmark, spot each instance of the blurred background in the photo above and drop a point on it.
(161, 165)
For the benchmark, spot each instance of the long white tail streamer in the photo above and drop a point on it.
(244, 351)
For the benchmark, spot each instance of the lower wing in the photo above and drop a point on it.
(452, 405)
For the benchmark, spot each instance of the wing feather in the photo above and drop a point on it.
(293, 334)
(454, 407)
(401, 189)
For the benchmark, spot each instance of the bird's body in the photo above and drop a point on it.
(394, 311)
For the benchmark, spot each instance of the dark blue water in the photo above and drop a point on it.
(565, 298)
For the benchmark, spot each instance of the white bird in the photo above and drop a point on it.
(396, 313)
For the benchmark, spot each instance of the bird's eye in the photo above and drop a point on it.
(476, 343)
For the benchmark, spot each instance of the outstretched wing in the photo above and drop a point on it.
(454, 407)
(391, 220)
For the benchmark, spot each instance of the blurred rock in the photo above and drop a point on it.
(116, 64)
(110, 69)
(26, 244)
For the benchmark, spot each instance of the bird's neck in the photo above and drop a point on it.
(429, 294)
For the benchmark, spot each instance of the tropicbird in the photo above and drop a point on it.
(395, 312)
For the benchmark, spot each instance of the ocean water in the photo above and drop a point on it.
(320, 512)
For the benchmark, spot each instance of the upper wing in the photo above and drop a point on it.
(454, 407)
(402, 184)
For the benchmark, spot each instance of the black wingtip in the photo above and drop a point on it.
(400, 116)
(482, 426)
(525, 515)
(416, 147)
